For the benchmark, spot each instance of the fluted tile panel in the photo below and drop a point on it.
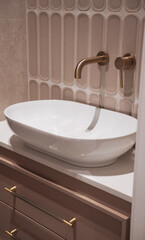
(81, 96)
(110, 103)
(69, 4)
(63, 32)
(115, 5)
(69, 49)
(97, 28)
(68, 94)
(43, 4)
(94, 100)
(55, 92)
(56, 47)
(31, 3)
(44, 91)
(56, 4)
(128, 83)
(113, 44)
(133, 5)
(44, 45)
(83, 4)
(82, 45)
(129, 45)
(32, 43)
(126, 106)
(98, 5)
(33, 90)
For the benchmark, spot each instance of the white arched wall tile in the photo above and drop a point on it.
(113, 48)
(98, 5)
(62, 32)
(83, 5)
(56, 47)
(32, 44)
(130, 34)
(83, 26)
(68, 94)
(31, 3)
(43, 4)
(115, 5)
(133, 5)
(125, 106)
(128, 83)
(69, 49)
(94, 100)
(44, 45)
(129, 45)
(56, 4)
(44, 91)
(33, 90)
(110, 102)
(69, 4)
(97, 29)
(55, 92)
(81, 96)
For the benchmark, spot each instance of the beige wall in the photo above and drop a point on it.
(62, 32)
(13, 66)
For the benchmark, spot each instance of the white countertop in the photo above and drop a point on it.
(116, 179)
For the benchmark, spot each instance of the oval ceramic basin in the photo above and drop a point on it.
(77, 133)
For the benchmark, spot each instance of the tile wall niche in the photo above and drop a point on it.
(62, 32)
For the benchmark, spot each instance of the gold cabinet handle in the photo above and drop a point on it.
(11, 234)
(13, 192)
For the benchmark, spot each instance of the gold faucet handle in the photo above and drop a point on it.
(127, 61)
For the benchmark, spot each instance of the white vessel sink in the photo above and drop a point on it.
(77, 133)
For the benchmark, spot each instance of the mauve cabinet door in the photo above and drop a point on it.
(27, 229)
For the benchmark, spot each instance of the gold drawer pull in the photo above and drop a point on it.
(12, 191)
(11, 234)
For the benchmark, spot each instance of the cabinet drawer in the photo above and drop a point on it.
(93, 219)
(47, 211)
(25, 227)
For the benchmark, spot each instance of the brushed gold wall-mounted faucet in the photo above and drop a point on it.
(102, 59)
(125, 62)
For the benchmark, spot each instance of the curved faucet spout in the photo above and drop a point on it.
(101, 58)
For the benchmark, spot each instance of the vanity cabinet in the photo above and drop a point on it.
(47, 204)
